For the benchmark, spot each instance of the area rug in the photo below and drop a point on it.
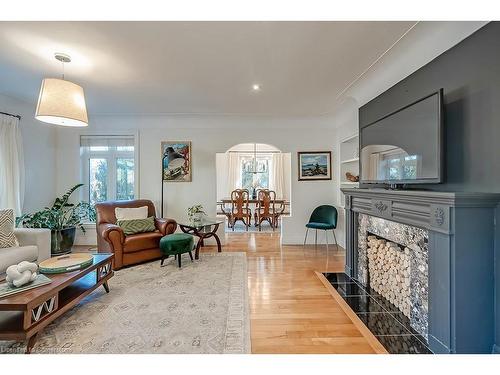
(199, 308)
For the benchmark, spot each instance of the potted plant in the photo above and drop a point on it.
(62, 219)
(195, 213)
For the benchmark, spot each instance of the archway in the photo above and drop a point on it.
(254, 166)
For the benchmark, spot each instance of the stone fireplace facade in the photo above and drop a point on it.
(393, 261)
(448, 238)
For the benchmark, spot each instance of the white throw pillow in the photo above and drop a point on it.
(7, 237)
(122, 213)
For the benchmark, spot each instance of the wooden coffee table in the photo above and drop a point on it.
(24, 315)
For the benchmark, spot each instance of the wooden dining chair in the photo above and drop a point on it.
(239, 210)
(266, 209)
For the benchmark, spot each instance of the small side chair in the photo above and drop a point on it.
(324, 218)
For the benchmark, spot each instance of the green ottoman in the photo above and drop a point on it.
(176, 244)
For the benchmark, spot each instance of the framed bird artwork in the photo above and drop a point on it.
(176, 161)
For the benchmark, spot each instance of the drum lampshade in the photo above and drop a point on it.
(62, 103)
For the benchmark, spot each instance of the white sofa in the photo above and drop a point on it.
(34, 246)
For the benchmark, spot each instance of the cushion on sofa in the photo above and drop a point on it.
(142, 241)
(14, 255)
(137, 225)
(131, 213)
(7, 237)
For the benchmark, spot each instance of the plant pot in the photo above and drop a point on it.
(62, 241)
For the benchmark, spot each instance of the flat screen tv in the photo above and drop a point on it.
(405, 146)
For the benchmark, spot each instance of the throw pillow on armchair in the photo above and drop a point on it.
(135, 226)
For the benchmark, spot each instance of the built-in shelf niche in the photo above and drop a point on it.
(348, 162)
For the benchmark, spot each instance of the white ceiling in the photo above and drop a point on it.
(195, 67)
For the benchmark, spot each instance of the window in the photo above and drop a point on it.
(108, 168)
(251, 180)
(124, 178)
(398, 165)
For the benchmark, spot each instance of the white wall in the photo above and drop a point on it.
(39, 145)
(346, 124)
(210, 135)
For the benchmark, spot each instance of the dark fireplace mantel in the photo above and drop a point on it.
(461, 258)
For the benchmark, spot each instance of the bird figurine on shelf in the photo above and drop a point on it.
(352, 178)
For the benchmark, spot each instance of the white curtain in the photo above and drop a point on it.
(277, 175)
(233, 172)
(11, 164)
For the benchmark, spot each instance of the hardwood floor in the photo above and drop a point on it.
(291, 310)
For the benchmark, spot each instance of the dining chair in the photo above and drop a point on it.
(239, 210)
(323, 217)
(265, 209)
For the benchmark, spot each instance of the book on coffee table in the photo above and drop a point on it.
(6, 289)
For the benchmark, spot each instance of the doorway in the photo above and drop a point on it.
(253, 167)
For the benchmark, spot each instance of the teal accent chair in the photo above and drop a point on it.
(323, 218)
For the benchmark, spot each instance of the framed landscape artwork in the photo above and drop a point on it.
(315, 165)
(176, 161)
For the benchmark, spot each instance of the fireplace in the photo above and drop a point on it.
(393, 262)
(431, 254)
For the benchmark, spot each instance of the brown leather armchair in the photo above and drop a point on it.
(134, 248)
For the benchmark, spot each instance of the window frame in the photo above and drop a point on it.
(112, 158)
(245, 156)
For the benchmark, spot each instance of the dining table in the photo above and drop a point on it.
(281, 205)
(255, 201)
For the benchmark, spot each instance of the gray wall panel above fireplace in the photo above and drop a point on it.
(469, 74)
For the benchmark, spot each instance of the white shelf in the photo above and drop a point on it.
(349, 160)
(348, 148)
(348, 183)
(349, 138)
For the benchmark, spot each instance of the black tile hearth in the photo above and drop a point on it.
(403, 344)
(349, 289)
(382, 324)
(360, 304)
(389, 307)
(335, 277)
(390, 326)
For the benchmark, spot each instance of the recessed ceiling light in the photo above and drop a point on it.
(256, 87)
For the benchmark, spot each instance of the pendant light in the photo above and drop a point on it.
(61, 102)
(254, 158)
(255, 164)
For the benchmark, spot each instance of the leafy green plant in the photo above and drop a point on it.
(196, 209)
(61, 215)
